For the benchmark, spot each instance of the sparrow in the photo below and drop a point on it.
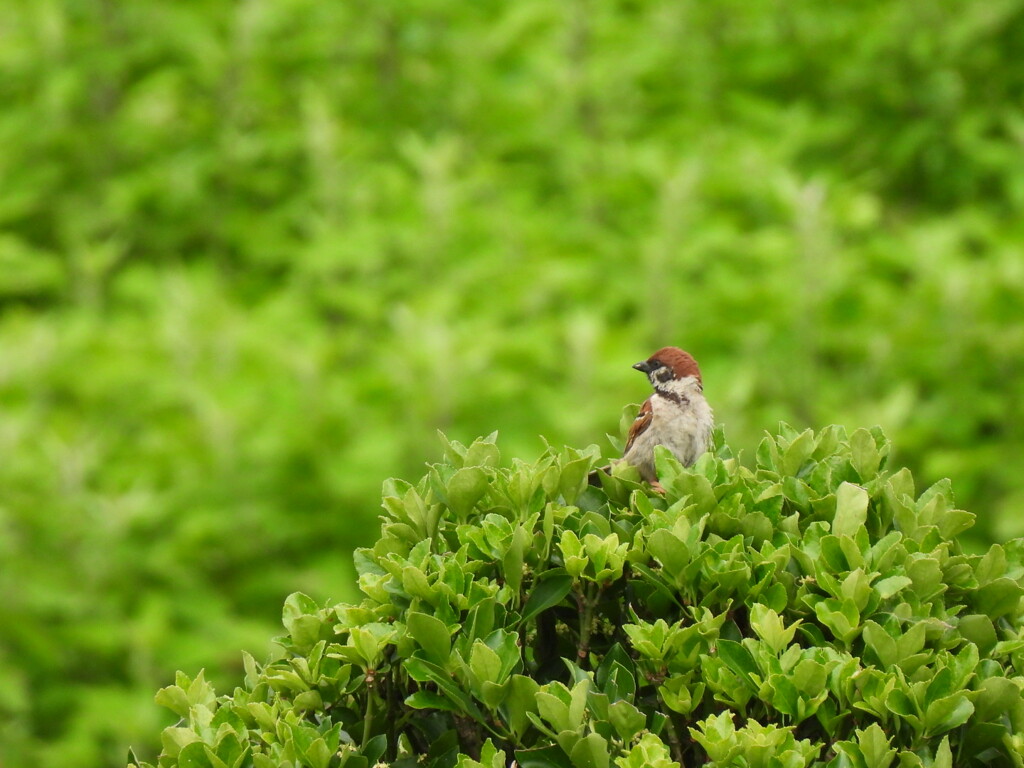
(676, 416)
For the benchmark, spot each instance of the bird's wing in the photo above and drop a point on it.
(640, 424)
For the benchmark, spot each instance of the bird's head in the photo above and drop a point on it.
(670, 367)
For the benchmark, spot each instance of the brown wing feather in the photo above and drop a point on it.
(640, 424)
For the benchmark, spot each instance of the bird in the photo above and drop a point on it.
(676, 415)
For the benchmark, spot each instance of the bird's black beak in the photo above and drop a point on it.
(645, 366)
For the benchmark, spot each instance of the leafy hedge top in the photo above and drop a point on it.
(812, 611)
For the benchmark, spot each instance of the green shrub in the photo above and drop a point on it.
(815, 610)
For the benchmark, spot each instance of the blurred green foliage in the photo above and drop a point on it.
(252, 254)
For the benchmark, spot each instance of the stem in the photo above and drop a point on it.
(673, 741)
(368, 719)
(391, 705)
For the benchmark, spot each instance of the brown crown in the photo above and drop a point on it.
(682, 363)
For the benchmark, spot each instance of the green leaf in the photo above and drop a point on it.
(717, 734)
(926, 574)
(465, 489)
(550, 589)
(574, 479)
(666, 466)
(174, 739)
(851, 509)
(520, 700)
(998, 597)
(978, 629)
(173, 698)
(443, 750)
(864, 454)
(881, 643)
(553, 703)
(484, 663)
(572, 553)
(479, 623)
(423, 671)
(649, 752)
(886, 588)
(616, 675)
(318, 754)
(680, 694)
(590, 752)
(550, 756)
(297, 605)
(798, 452)
(997, 696)
(195, 755)
(899, 703)
(874, 746)
(302, 620)
(483, 452)
(954, 522)
(738, 659)
(626, 719)
(767, 454)
(943, 755)
(512, 562)
(308, 701)
(656, 581)
(810, 677)
(770, 628)
(670, 550)
(366, 644)
(431, 700)
(432, 636)
(578, 702)
(947, 713)
(841, 617)
(375, 748)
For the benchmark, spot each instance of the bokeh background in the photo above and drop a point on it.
(253, 254)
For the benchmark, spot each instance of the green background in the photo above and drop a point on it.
(254, 254)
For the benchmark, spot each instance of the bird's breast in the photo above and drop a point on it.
(685, 429)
